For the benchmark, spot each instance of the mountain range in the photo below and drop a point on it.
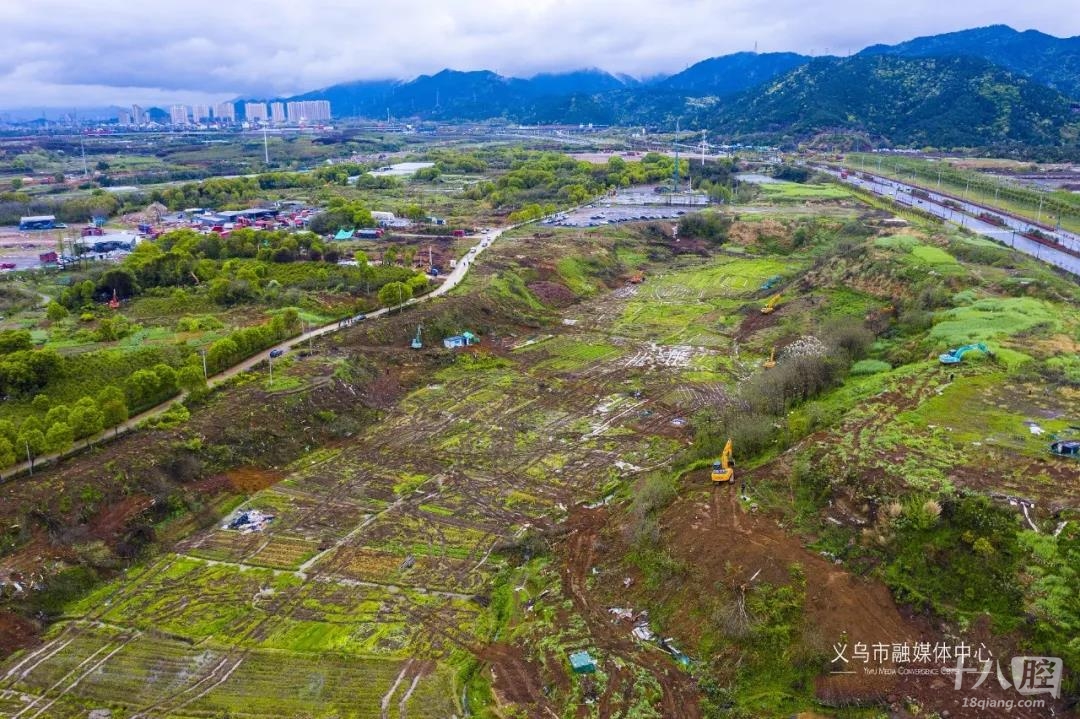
(982, 86)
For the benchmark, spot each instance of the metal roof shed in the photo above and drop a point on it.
(582, 663)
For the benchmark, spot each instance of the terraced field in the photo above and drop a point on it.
(374, 568)
(400, 560)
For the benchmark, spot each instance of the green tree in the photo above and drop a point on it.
(108, 393)
(34, 440)
(222, 354)
(60, 437)
(56, 311)
(142, 387)
(166, 379)
(7, 430)
(120, 280)
(31, 423)
(7, 453)
(59, 413)
(190, 378)
(394, 293)
(40, 402)
(418, 283)
(15, 341)
(415, 213)
(86, 418)
(114, 412)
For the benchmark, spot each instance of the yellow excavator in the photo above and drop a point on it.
(724, 470)
(771, 362)
(770, 305)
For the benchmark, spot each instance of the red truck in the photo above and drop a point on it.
(459, 233)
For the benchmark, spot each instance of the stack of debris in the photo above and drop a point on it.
(250, 520)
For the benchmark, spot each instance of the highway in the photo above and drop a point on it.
(967, 216)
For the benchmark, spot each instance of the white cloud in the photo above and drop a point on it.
(66, 52)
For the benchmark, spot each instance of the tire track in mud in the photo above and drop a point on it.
(679, 699)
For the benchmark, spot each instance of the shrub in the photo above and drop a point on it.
(869, 366)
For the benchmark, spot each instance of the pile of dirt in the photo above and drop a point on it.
(753, 322)
(251, 479)
(726, 545)
(582, 548)
(748, 233)
(114, 520)
(553, 294)
(16, 633)
(515, 680)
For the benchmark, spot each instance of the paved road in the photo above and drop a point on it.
(450, 281)
(966, 216)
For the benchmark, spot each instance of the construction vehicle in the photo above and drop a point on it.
(770, 305)
(416, 343)
(724, 470)
(771, 362)
(954, 356)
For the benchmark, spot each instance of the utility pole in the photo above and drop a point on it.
(29, 458)
(204, 375)
(266, 148)
(271, 370)
(1042, 196)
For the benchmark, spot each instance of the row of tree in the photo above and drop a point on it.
(55, 427)
(61, 426)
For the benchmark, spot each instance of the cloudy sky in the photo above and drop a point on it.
(64, 53)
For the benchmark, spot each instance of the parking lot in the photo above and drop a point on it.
(637, 205)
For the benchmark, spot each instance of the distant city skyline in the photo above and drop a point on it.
(66, 53)
(262, 113)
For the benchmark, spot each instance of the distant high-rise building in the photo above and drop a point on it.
(200, 113)
(305, 111)
(138, 115)
(255, 112)
(124, 119)
(277, 113)
(225, 112)
(178, 115)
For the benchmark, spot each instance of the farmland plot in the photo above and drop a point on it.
(353, 597)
